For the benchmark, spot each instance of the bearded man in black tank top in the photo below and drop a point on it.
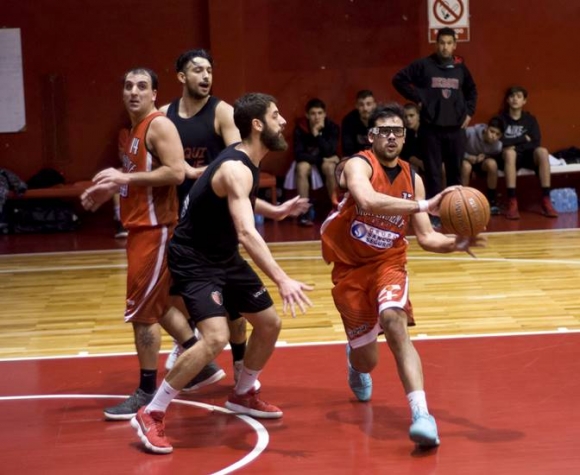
(206, 126)
(210, 274)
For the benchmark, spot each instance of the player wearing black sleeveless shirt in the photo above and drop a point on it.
(206, 126)
(210, 273)
(206, 225)
(201, 143)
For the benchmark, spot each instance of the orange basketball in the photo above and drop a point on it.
(464, 212)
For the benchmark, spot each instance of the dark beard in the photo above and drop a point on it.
(195, 95)
(272, 141)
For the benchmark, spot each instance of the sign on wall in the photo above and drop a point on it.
(448, 13)
(12, 117)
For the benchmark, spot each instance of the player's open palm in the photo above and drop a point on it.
(294, 207)
(293, 294)
(464, 243)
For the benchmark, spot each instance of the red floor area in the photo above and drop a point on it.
(504, 405)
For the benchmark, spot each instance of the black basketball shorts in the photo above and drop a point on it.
(215, 289)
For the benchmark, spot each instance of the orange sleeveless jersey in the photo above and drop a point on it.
(355, 237)
(145, 206)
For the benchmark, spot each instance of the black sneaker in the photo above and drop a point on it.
(210, 374)
(121, 231)
(129, 407)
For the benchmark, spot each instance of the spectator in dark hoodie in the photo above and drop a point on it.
(442, 87)
(522, 149)
(315, 145)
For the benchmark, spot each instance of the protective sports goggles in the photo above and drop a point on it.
(385, 131)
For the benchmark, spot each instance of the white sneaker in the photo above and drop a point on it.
(238, 365)
(172, 357)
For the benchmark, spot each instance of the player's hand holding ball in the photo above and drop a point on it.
(465, 212)
(434, 203)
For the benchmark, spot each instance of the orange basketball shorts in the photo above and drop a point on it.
(362, 293)
(148, 277)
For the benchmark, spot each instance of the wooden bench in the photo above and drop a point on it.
(75, 190)
(71, 190)
(556, 169)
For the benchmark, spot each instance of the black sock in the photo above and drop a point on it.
(546, 191)
(511, 192)
(491, 196)
(148, 380)
(189, 343)
(238, 351)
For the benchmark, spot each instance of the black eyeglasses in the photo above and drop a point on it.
(384, 132)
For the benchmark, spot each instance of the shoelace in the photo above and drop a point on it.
(158, 424)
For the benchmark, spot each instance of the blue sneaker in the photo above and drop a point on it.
(423, 431)
(360, 383)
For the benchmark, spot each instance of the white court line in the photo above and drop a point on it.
(283, 344)
(263, 438)
(446, 258)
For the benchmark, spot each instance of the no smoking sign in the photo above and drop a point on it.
(451, 14)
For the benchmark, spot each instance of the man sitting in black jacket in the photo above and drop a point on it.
(315, 145)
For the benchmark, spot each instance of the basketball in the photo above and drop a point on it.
(464, 212)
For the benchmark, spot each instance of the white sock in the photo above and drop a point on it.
(247, 379)
(164, 395)
(418, 402)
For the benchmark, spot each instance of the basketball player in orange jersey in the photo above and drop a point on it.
(206, 126)
(365, 239)
(152, 165)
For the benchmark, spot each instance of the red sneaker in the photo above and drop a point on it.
(547, 208)
(512, 211)
(150, 427)
(251, 405)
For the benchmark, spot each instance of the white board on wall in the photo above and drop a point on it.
(12, 115)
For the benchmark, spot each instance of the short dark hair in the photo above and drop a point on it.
(411, 105)
(386, 111)
(364, 93)
(513, 89)
(249, 107)
(498, 123)
(446, 32)
(188, 56)
(312, 103)
(142, 70)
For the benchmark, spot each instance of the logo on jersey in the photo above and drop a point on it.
(195, 154)
(373, 236)
(217, 297)
(359, 230)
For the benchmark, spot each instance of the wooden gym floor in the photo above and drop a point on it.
(498, 338)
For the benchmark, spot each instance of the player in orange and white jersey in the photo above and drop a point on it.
(366, 241)
(153, 165)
